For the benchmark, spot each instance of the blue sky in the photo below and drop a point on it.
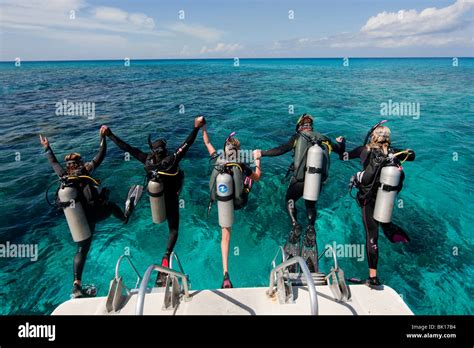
(44, 30)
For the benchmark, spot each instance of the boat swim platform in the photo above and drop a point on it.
(249, 301)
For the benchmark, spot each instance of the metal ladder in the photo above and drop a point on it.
(336, 280)
(118, 292)
(285, 280)
(177, 286)
(281, 277)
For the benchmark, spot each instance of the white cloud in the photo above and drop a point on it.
(55, 14)
(221, 48)
(92, 33)
(197, 31)
(113, 14)
(110, 14)
(84, 38)
(142, 20)
(410, 22)
(105, 31)
(431, 27)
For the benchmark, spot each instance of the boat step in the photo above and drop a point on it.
(297, 279)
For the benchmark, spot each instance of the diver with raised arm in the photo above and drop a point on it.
(230, 184)
(83, 205)
(379, 182)
(165, 181)
(310, 169)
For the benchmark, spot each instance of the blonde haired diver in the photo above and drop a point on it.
(379, 182)
(230, 184)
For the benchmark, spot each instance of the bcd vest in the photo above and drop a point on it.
(301, 148)
(235, 170)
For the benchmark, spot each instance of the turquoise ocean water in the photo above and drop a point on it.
(433, 273)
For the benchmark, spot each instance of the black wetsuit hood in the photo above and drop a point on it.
(158, 146)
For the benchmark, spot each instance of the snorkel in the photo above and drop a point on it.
(231, 135)
(229, 148)
(305, 122)
(158, 148)
(74, 163)
(369, 133)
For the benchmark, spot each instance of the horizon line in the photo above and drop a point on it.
(230, 58)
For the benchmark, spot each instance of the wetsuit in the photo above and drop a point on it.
(96, 205)
(295, 188)
(371, 162)
(168, 163)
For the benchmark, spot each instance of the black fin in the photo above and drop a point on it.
(310, 256)
(292, 250)
(133, 197)
(396, 234)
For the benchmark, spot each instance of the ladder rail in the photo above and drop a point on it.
(313, 297)
(174, 256)
(146, 278)
(336, 266)
(281, 251)
(117, 267)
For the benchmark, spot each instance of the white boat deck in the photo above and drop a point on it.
(251, 301)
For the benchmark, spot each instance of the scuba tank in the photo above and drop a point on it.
(314, 169)
(74, 212)
(311, 163)
(157, 200)
(225, 199)
(388, 188)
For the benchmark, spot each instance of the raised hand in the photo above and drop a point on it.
(199, 121)
(104, 130)
(257, 154)
(44, 141)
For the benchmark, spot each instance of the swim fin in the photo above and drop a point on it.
(161, 277)
(292, 246)
(371, 282)
(79, 291)
(310, 250)
(374, 283)
(134, 195)
(355, 280)
(396, 234)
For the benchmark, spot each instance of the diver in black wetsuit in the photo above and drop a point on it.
(372, 157)
(96, 204)
(160, 159)
(299, 145)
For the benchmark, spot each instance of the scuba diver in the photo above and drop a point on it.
(310, 169)
(379, 183)
(84, 206)
(230, 184)
(165, 180)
